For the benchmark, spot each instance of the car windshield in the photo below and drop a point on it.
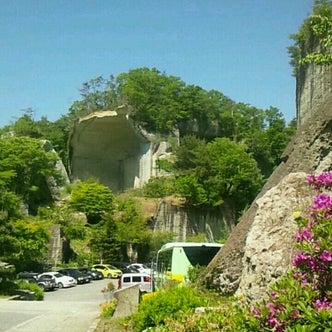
(58, 275)
(112, 267)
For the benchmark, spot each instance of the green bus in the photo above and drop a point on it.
(175, 258)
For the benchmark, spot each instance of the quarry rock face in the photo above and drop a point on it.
(106, 145)
(313, 85)
(259, 249)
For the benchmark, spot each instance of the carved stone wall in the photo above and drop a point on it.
(313, 87)
(106, 145)
(184, 223)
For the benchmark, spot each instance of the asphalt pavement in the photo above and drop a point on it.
(73, 309)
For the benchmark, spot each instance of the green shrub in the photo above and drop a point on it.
(7, 287)
(173, 303)
(194, 272)
(108, 308)
(38, 292)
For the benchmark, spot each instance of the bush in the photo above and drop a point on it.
(172, 303)
(7, 287)
(108, 308)
(34, 288)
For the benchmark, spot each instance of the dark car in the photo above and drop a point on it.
(124, 267)
(80, 277)
(45, 282)
(95, 275)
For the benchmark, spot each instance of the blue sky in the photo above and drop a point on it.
(238, 47)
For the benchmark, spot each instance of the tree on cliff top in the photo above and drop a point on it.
(313, 42)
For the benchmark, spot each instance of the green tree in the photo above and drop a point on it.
(218, 172)
(230, 173)
(104, 243)
(33, 239)
(312, 43)
(130, 225)
(25, 126)
(154, 97)
(30, 167)
(93, 199)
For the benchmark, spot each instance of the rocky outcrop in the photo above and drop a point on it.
(53, 185)
(183, 222)
(106, 145)
(313, 87)
(264, 260)
(259, 248)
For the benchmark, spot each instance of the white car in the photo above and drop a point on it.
(142, 279)
(142, 268)
(61, 280)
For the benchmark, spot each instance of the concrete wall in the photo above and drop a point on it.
(128, 300)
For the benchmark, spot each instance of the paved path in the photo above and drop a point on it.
(74, 310)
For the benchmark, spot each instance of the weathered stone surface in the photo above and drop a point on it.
(106, 145)
(313, 86)
(310, 151)
(264, 259)
(173, 217)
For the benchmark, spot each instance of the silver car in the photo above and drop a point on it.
(61, 280)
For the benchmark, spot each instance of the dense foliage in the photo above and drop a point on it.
(92, 198)
(313, 42)
(155, 309)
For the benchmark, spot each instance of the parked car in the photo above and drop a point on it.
(142, 279)
(108, 271)
(141, 268)
(124, 267)
(95, 275)
(61, 280)
(80, 277)
(45, 282)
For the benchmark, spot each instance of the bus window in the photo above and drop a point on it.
(201, 256)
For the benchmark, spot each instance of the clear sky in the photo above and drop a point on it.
(49, 48)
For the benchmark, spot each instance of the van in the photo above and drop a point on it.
(142, 279)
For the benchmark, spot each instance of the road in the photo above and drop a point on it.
(73, 309)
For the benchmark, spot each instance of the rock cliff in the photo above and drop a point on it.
(259, 248)
(106, 145)
(313, 85)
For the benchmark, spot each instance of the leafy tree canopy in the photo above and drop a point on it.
(312, 44)
(24, 170)
(93, 199)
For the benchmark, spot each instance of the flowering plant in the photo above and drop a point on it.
(302, 300)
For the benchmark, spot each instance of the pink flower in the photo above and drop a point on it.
(322, 304)
(322, 180)
(255, 311)
(304, 235)
(323, 202)
(326, 256)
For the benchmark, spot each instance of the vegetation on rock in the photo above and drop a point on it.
(313, 42)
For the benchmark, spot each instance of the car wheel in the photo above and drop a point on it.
(42, 286)
(60, 285)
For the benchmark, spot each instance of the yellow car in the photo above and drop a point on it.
(108, 271)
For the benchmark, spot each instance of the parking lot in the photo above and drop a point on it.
(71, 309)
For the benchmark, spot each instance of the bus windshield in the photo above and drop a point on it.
(200, 255)
(174, 259)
